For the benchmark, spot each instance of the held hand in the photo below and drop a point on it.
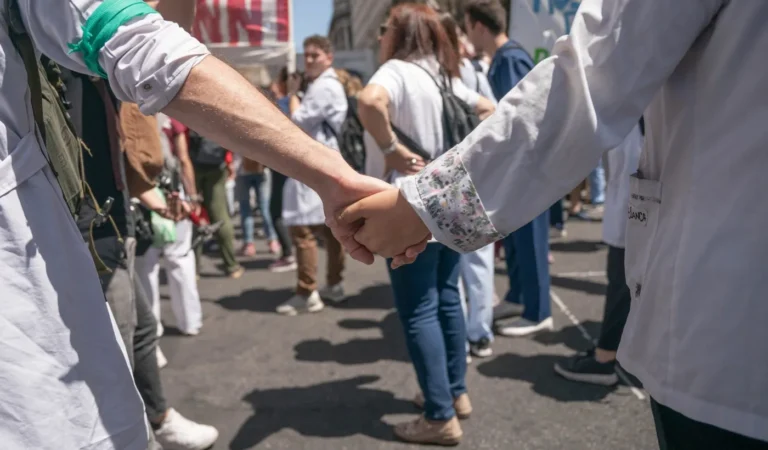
(404, 161)
(352, 188)
(390, 226)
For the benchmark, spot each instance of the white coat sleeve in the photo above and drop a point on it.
(146, 61)
(550, 131)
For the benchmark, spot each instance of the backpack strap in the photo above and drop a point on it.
(24, 46)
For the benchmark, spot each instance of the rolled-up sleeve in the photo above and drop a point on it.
(147, 60)
(550, 131)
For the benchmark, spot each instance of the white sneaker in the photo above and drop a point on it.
(522, 327)
(180, 433)
(334, 294)
(300, 304)
(161, 360)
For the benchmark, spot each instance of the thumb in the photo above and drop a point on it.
(353, 213)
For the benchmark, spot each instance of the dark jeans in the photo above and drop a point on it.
(135, 321)
(617, 300)
(428, 303)
(146, 373)
(212, 184)
(276, 211)
(527, 251)
(677, 432)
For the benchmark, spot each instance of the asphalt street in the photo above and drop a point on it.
(338, 379)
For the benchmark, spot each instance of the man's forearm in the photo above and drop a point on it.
(188, 179)
(239, 118)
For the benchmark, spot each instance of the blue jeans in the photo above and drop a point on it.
(261, 185)
(527, 252)
(428, 303)
(597, 184)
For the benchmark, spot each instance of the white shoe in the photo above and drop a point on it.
(300, 304)
(161, 360)
(180, 433)
(334, 294)
(522, 327)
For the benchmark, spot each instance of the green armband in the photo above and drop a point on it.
(102, 25)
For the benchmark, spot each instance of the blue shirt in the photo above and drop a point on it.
(510, 64)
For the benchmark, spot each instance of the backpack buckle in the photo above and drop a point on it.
(101, 217)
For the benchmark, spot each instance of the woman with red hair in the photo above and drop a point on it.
(405, 94)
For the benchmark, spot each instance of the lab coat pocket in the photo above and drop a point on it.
(643, 217)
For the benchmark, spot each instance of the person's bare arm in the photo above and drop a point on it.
(484, 108)
(373, 110)
(187, 169)
(238, 117)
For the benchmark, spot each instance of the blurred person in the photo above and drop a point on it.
(527, 249)
(320, 113)
(178, 257)
(56, 320)
(416, 55)
(477, 270)
(695, 335)
(286, 262)
(253, 176)
(212, 164)
(598, 364)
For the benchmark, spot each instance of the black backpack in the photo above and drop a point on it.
(350, 137)
(459, 119)
(205, 152)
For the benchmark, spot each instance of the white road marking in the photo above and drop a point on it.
(560, 304)
(591, 274)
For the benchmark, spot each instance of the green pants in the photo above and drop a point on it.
(211, 183)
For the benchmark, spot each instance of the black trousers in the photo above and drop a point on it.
(617, 300)
(677, 432)
(276, 211)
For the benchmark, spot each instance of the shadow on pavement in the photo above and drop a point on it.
(257, 300)
(538, 371)
(389, 347)
(581, 285)
(328, 410)
(570, 336)
(578, 246)
(372, 297)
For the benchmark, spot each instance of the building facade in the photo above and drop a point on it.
(340, 32)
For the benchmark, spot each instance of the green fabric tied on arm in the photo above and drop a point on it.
(102, 25)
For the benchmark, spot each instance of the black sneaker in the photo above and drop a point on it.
(584, 368)
(481, 348)
(506, 310)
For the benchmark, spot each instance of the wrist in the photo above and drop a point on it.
(390, 147)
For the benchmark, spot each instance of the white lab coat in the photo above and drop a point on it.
(64, 383)
(324, 101)
(696, 335)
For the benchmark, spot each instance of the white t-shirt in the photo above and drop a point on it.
(415, 107)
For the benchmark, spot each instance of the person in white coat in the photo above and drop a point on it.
(320, 113)
(66, 383)
(695, 244)
(597, 365)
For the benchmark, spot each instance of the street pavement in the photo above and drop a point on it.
(340, 378)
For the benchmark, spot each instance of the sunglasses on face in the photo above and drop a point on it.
(383, 29)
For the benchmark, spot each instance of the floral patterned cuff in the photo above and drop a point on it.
(446, 199)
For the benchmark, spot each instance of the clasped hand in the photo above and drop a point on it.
(383, 223)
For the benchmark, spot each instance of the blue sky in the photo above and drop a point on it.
(310, 17)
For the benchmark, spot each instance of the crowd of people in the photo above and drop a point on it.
(454, 139)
